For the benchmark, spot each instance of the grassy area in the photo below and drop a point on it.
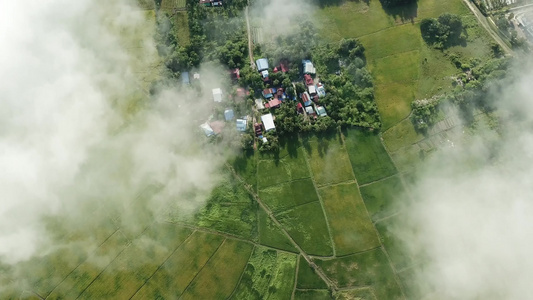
(393, 40)
(362, 270)
(312, 295)
(181, 26)
(275, 170)
(126, 274)
(271, 235)
(173, 277)
(402, 134)
(268, 275)
(350, 225)
(337, 22)
(307, 226)
(380, 197)
(434, 8)
(245, 164)
(362, 294)
(287, 195)
(221, 273)
(307, 278)
(328, 159)
(370, 161)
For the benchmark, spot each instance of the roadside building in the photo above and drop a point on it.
(262, 67)
(217, 95)
(268, 122)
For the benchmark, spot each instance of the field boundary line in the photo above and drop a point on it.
(353, 254)
(276, 184)
(199, 271)
(381, 179)
(159, 267)
(296, 277)
(306, 158)
(346, 182)
(85, 260)
(242, 273)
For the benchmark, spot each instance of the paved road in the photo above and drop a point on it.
(485, 24)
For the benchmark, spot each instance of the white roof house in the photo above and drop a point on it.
(207, 129)
(311, 89)
(228, 114)
(262, 64)
(268, 122)
(217, 95)
(241, 124)
(308, 67)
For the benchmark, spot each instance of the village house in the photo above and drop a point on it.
(211, 2)
(228, 114)
(321, 111)
(308, 67)
(185, 79)
(306, 99)
(262, 67)
(241, 124)
(268, 122)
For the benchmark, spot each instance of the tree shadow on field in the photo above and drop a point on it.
(405, 12)
(326, 3)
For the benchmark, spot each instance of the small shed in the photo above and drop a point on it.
(217, 95)
(262, 64)
(299, 107)
(228, 114)
(268, 122)
(241, 125)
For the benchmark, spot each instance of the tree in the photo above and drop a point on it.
(393, 3)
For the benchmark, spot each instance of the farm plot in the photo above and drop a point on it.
(173, 277)
(287, 195)
(348, 219)
(395, 247)
(245, 165)
(271, 235)
(269, 275)
(370, 161)
(307, 278)
(362, 270)
(328, 159)
(221, 273)
(401, 135)
(307, 226)
(126, 274)
(80, 278)
(230, 209)
(363, 294)
(273, 171)
(380, 197)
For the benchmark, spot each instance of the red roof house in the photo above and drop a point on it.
(308, 79)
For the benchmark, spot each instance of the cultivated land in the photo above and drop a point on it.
(315, 217)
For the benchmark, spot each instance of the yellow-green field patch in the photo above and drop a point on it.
(271, 235)
(382, 198)
(394, 102)
(401, 135)
(287, 195)
(434, 8)
(348, 219)
(307, 226)
(397, 68)
(328, 159)
(220, 275)
(173, 277)
(394, 40)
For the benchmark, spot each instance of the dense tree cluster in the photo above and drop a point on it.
(425, 113)
(446, 30)
(350, 97)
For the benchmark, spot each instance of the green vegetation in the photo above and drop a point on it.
(380, 197)
(173, 277)
(365, 269)
(395, 247)
(307, 226)
(363, 294)
(287, 195)
(350, 225)
(269, 274)
(307, 278)
(271, 235)
(328, 159)
(370, 161)
(221, 273)
(312, 295)
(445, 31)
